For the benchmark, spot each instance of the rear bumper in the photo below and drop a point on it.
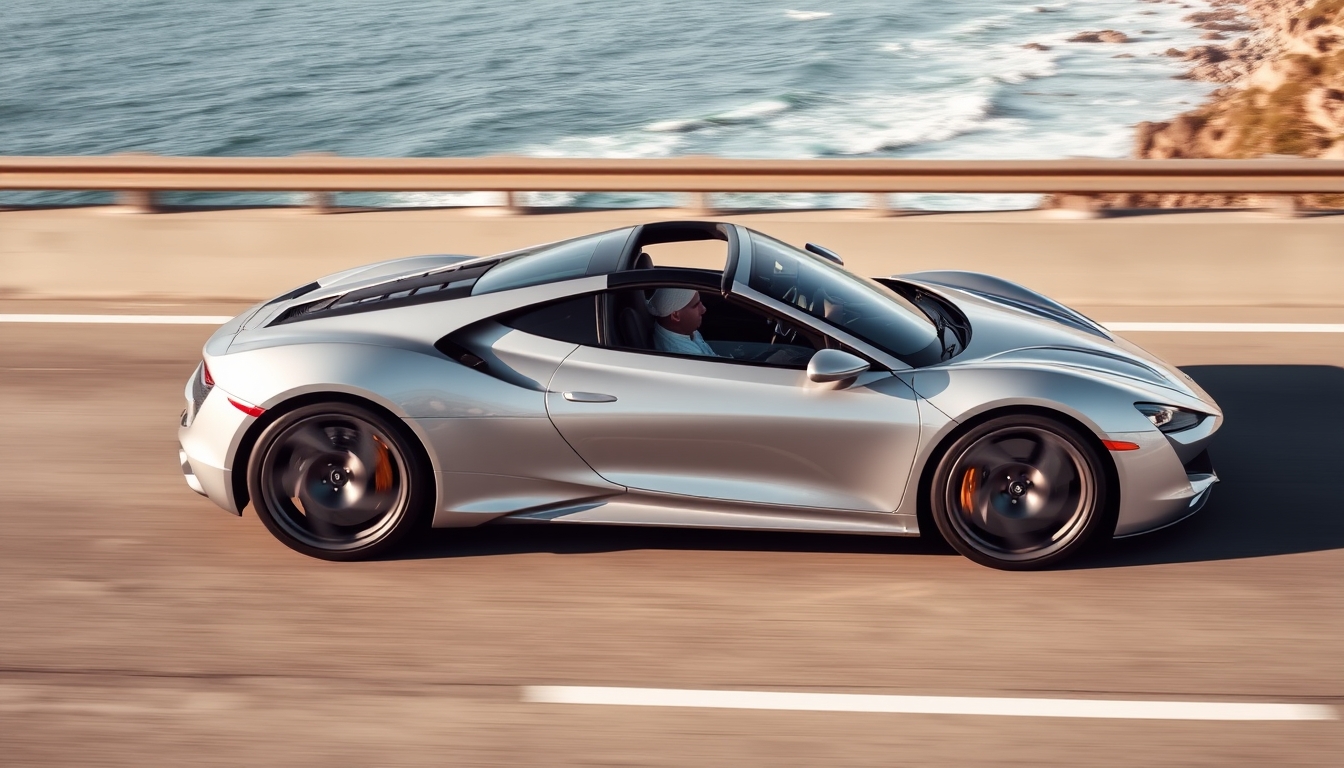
(206, 447)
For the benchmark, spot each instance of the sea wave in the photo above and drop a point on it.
(863, 124)
(745, 114)
(807, 15)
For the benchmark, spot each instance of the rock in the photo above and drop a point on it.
(1123, 56)
(1325, 108)
(1104, 36)
(1206, 53)
(1224, 26)
(1284, 92)
(1223, 14)
(1036, 47)
(1273, 75)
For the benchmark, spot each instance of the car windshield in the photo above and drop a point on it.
(841, 298)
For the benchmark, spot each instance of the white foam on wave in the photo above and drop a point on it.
(676, 126)
(885, 123)
(1005, 62)
(806, 15)
(748, 113)
(861, 124)
(1016, 65)
(752, 111)
(925, 44)
(976, 26)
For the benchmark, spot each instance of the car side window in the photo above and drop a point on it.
(717, 329)
(572, 320)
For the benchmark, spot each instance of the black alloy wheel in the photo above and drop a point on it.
(1021, 492)
(338, 482)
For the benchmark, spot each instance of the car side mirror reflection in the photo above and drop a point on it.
(834, 365)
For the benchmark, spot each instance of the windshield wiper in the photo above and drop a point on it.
(941, 328)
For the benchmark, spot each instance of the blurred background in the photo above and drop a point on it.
(978, 79)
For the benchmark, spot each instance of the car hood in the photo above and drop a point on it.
(1014, 326)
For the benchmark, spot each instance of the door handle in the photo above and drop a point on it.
(589, 397)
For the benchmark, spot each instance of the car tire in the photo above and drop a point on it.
(1021, 492)
(338, 481)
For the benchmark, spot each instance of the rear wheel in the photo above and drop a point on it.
(338, 482)
(1020, 492)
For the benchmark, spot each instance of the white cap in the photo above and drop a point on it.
(665, 301)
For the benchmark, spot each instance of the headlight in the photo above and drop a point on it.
(1169, 418)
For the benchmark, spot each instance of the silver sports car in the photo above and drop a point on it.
(580, 382)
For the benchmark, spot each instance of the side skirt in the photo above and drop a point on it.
(691, 512)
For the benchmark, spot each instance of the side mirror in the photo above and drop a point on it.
(825, 253)
(834, 365)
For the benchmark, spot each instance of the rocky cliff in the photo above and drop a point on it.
(1286, 85)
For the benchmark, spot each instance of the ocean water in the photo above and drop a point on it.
(589, 78)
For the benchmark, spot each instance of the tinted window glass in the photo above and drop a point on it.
(572, 320)
(543, 264)
(831, 293)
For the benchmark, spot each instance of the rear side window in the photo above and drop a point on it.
(545, 264)
(571, 320)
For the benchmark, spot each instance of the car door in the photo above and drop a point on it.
(733, 431)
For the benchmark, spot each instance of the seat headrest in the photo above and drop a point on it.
(643, 261)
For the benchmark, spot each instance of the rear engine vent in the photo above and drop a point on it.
(443, 284)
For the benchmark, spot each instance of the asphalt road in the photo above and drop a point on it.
(140, 625)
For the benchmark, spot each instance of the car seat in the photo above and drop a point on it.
(634, 324)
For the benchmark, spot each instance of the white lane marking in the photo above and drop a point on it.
(1228, 327)
(925, 705)
(126, 319)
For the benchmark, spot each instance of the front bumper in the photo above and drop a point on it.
(1166, 480)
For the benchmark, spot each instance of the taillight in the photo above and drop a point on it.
(201, 385)
(250, 410)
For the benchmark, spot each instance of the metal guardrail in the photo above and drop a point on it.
(140, 176)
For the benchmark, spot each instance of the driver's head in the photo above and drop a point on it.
(677, 309)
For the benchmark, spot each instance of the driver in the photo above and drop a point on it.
(677, 313)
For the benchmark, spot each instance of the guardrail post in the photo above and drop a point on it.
(513, 203)
(1280, 206)
(137, 200)
(698, 204)
(321, 202)
(880, 204)
(1075, 206)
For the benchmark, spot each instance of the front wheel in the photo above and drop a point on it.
(1020, 492)
(337, 482)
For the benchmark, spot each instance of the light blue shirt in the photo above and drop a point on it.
(667, 341)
